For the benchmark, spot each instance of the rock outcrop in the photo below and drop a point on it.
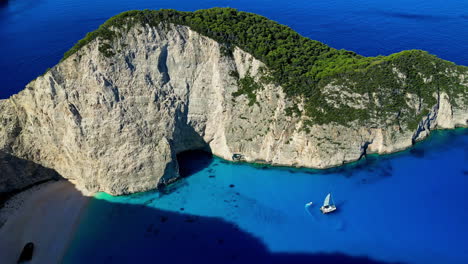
(115, 124)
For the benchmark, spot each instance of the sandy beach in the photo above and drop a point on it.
(46, 216)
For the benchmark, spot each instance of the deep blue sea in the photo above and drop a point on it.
(34, 34)
(402, 208)
(408, 207)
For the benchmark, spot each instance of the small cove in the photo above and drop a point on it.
(405, 207)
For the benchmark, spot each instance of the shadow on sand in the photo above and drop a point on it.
(127, 233)
(17, 174)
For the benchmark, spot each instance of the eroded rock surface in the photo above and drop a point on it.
(116, 124)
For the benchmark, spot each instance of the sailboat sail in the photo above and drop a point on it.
(327, 200)
(328, 205)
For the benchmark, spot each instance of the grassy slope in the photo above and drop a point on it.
(303, 67)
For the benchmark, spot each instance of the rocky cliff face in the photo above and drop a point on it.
(116, 123)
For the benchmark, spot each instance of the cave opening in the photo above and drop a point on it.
(193, 161)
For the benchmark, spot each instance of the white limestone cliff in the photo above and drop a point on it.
(116, 124)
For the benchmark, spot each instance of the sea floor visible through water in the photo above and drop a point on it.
(36, 33)
(400, 208)
(407, 207)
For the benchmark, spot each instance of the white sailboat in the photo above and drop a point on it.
(328, 205)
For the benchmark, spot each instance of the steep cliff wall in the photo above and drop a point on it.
(116, 123)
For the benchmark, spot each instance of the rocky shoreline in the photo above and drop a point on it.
(116, 124)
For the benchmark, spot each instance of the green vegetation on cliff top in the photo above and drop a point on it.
(304, 67)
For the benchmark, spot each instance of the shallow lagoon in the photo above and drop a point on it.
(406, 207)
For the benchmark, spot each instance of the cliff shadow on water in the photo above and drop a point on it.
(135, 233)
(3, 3)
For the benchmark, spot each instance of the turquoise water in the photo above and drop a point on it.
(407, 208)
(34, 34)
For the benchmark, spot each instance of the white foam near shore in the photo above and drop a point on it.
(46, 215)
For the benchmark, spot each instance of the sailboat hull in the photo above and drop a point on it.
(328, 209)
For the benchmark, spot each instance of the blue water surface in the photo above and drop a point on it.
(401, 208)
(407, 207)
(34, 34)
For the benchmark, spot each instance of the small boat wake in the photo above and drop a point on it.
(308, 209)
(331, 222)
